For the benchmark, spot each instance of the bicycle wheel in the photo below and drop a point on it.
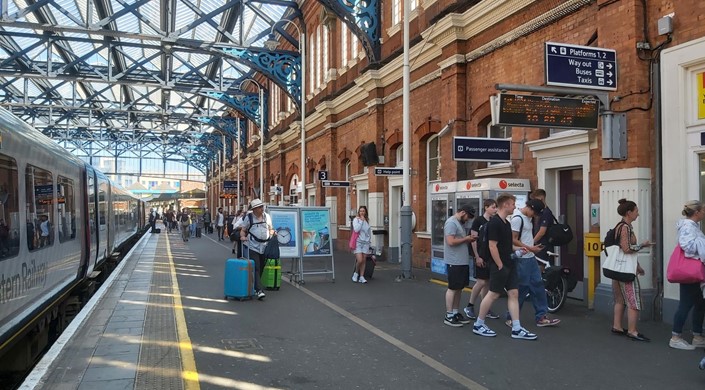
(556, 296)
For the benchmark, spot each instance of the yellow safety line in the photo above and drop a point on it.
(188, 361)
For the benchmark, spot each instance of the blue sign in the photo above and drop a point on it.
(333, 183)
(43, 191)
(482, 149)
(581, 66)
(389, 171)
(230, 185)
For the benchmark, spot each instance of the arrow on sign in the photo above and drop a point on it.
(609, 82)
(553, 49)
(609, 65)
(610, 74)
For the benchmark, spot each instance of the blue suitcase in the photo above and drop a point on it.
(239, 279)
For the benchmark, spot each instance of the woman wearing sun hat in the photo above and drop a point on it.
(256, 229)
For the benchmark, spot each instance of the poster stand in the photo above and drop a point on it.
(304, 234)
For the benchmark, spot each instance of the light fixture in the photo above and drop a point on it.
(271, 43)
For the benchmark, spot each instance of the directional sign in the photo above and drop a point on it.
(230, 185)
(322, 175)
(331, 183)
(547, 111)
(380, 171)
(581, 66)
(482, 149)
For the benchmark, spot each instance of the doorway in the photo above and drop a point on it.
(571, 200)
(395, 203)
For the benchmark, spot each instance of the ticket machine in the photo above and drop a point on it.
(446, 198)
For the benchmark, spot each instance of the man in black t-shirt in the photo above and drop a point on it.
(541, 224)
(503, 273)
(482, 270)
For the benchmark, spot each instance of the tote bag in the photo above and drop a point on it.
(619, 266)
(353, 240)
(683, 269)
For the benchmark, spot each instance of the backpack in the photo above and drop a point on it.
(483, 242)
(559, 234)
(251, 219)
(610, 239)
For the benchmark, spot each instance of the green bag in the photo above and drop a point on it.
(272, 274)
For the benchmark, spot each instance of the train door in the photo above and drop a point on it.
(103, 220)
(92, 219)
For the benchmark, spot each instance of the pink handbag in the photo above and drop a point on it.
(353, 240)
(683, 269)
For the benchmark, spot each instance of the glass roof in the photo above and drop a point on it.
(101, 67)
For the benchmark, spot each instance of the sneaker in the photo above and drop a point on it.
(483, 330)
(523, 334)
(260, 295)
(355, 277)
(680, 344)
(698, 342)
(470, 312)
(545, 321)
(491, 315)
(452, 321)
(362, 279)
(462, 319)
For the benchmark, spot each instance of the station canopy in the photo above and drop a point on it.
(139, 83)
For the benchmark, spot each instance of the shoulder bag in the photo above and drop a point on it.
(619, 266)
(683, 269)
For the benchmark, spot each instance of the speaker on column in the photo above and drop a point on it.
(369, 154)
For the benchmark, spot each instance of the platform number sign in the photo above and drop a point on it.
(322, 175)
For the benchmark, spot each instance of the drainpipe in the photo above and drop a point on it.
(657, 197)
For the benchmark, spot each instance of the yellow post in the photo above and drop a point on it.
(593, 246)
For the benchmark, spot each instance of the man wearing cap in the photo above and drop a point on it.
(256, 229)
(530, 281)
(457, 258)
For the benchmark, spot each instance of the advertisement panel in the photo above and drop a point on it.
(315, 229)
(286, 224)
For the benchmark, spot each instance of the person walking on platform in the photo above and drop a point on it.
(530, 280)
(206, 221)
(456, 255)
(692, 240)
(256, 228)
(628, 293)
(482, 270)
(152, 220)
(185, 222)
(235, 235)
(220, 223)
(361, 225)
(503, 274)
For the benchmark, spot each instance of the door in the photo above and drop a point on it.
(395, 203)
(571, 212)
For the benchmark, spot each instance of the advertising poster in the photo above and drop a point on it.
(286, 224)
(315, 225)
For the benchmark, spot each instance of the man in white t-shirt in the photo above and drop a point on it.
(220, 223)
(530, 281)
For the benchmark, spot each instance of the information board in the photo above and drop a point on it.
(581, 66)
(548, 111)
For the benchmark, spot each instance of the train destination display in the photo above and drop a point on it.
(548, 111)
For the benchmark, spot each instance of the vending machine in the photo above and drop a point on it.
(446, 198)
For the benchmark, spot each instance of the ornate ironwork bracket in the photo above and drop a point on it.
(363, 19)
(228, 126)
(247, 104)
(281, 66)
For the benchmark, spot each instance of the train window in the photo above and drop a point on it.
(9, 208)
(66, 205)
(40, 208)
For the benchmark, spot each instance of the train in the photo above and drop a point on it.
(62, 225)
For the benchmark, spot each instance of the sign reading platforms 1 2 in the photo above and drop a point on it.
(581, 66)
(331, 183)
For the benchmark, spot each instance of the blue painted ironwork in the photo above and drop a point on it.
(281, 66)
(227, 125)
(247, 104)
(363, 17)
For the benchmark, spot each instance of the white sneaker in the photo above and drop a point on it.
(698, 342)
(680, 344)
(362, 279)
(355, 277)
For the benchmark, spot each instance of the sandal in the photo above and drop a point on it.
(638, 337)
(618, 332)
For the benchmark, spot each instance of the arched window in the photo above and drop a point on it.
(344, 44)
(399, 155)
(311, 62)
(319, 57)
(348, 198)
(433, 165)
(325, 65)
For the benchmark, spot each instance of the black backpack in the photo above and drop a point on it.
(559, 234)
(612, 238)
(483, 242)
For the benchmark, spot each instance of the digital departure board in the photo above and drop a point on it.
(548, 111)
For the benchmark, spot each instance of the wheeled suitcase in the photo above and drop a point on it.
(239, 279)
(369, 267)
(157, 230)
(272, 274)
(198, 232)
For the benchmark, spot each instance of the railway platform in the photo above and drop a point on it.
(162, 323)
